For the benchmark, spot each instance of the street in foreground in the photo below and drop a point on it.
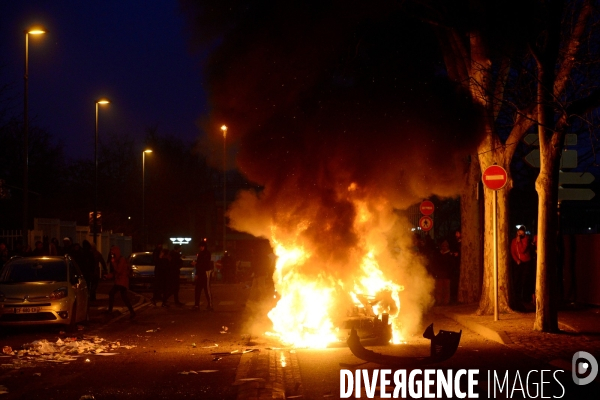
(169, 353)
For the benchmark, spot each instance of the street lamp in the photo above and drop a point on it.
(144, 231)
(33, 31)
(224, 129)
(95, 224)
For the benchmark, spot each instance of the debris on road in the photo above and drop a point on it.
(251, 351)
(204, 371)
(210, 347)
(153, 330)
(188, 372)
(37, 374)
(443, 346)
(87, 397)
(226, 353)
(217, 358)
(61, 351)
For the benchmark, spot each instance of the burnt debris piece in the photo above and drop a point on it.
(443, 346)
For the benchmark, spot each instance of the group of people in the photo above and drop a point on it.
(167, 268)
(443, 264)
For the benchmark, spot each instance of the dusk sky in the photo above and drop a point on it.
(135, 53)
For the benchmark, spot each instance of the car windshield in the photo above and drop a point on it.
(142, 259)
(34, 271)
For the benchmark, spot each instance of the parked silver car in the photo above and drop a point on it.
(42, 290)
(142, 267)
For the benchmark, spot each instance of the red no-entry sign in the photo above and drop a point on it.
(494, 177)
(426, 207)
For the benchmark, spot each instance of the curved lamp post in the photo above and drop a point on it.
(33, 31)
(95, 216)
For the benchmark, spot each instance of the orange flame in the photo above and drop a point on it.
(305, 312)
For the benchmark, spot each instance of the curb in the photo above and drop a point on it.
(488, 333)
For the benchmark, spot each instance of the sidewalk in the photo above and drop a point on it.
(580, 330)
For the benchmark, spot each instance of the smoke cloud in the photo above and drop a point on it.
(335, 109)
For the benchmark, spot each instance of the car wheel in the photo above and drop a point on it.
(72, 326)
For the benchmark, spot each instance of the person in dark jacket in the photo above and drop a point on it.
(161, 277)
(204, 269)
(39, 249)
(175, 264)
(88, 268)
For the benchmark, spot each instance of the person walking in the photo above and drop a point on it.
(161, 278)
(202, 280)
(520, 251)
(120, 266)
(89, 267)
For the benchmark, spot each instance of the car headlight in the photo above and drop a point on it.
(59, 293)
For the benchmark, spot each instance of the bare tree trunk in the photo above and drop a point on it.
(491, 152)
(470, 261)
(546, 314)
(546, 185)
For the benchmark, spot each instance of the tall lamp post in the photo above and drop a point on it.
(36, 31)
(224, 129)
(144, 230)
(95, 216)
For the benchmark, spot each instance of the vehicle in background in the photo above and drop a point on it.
(188, 271)
(142, 267)
(43, 290)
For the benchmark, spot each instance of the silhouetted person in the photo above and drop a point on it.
(203, 273)
(66, 247)
(4, 255)
(89, 268)
(175, 264)
(522, 268)
(39, 249)
(161, 277)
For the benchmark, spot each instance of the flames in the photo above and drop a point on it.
(316, 297)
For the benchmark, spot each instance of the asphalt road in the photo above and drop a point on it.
(168, 343)
(173, 358)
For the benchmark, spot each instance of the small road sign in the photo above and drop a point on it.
(575, 178)
(494, 177)
(532, 139)
(426, 223)
(568, 159)
(426, 207)
(575, 194)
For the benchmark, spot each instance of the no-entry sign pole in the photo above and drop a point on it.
(494, 177)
